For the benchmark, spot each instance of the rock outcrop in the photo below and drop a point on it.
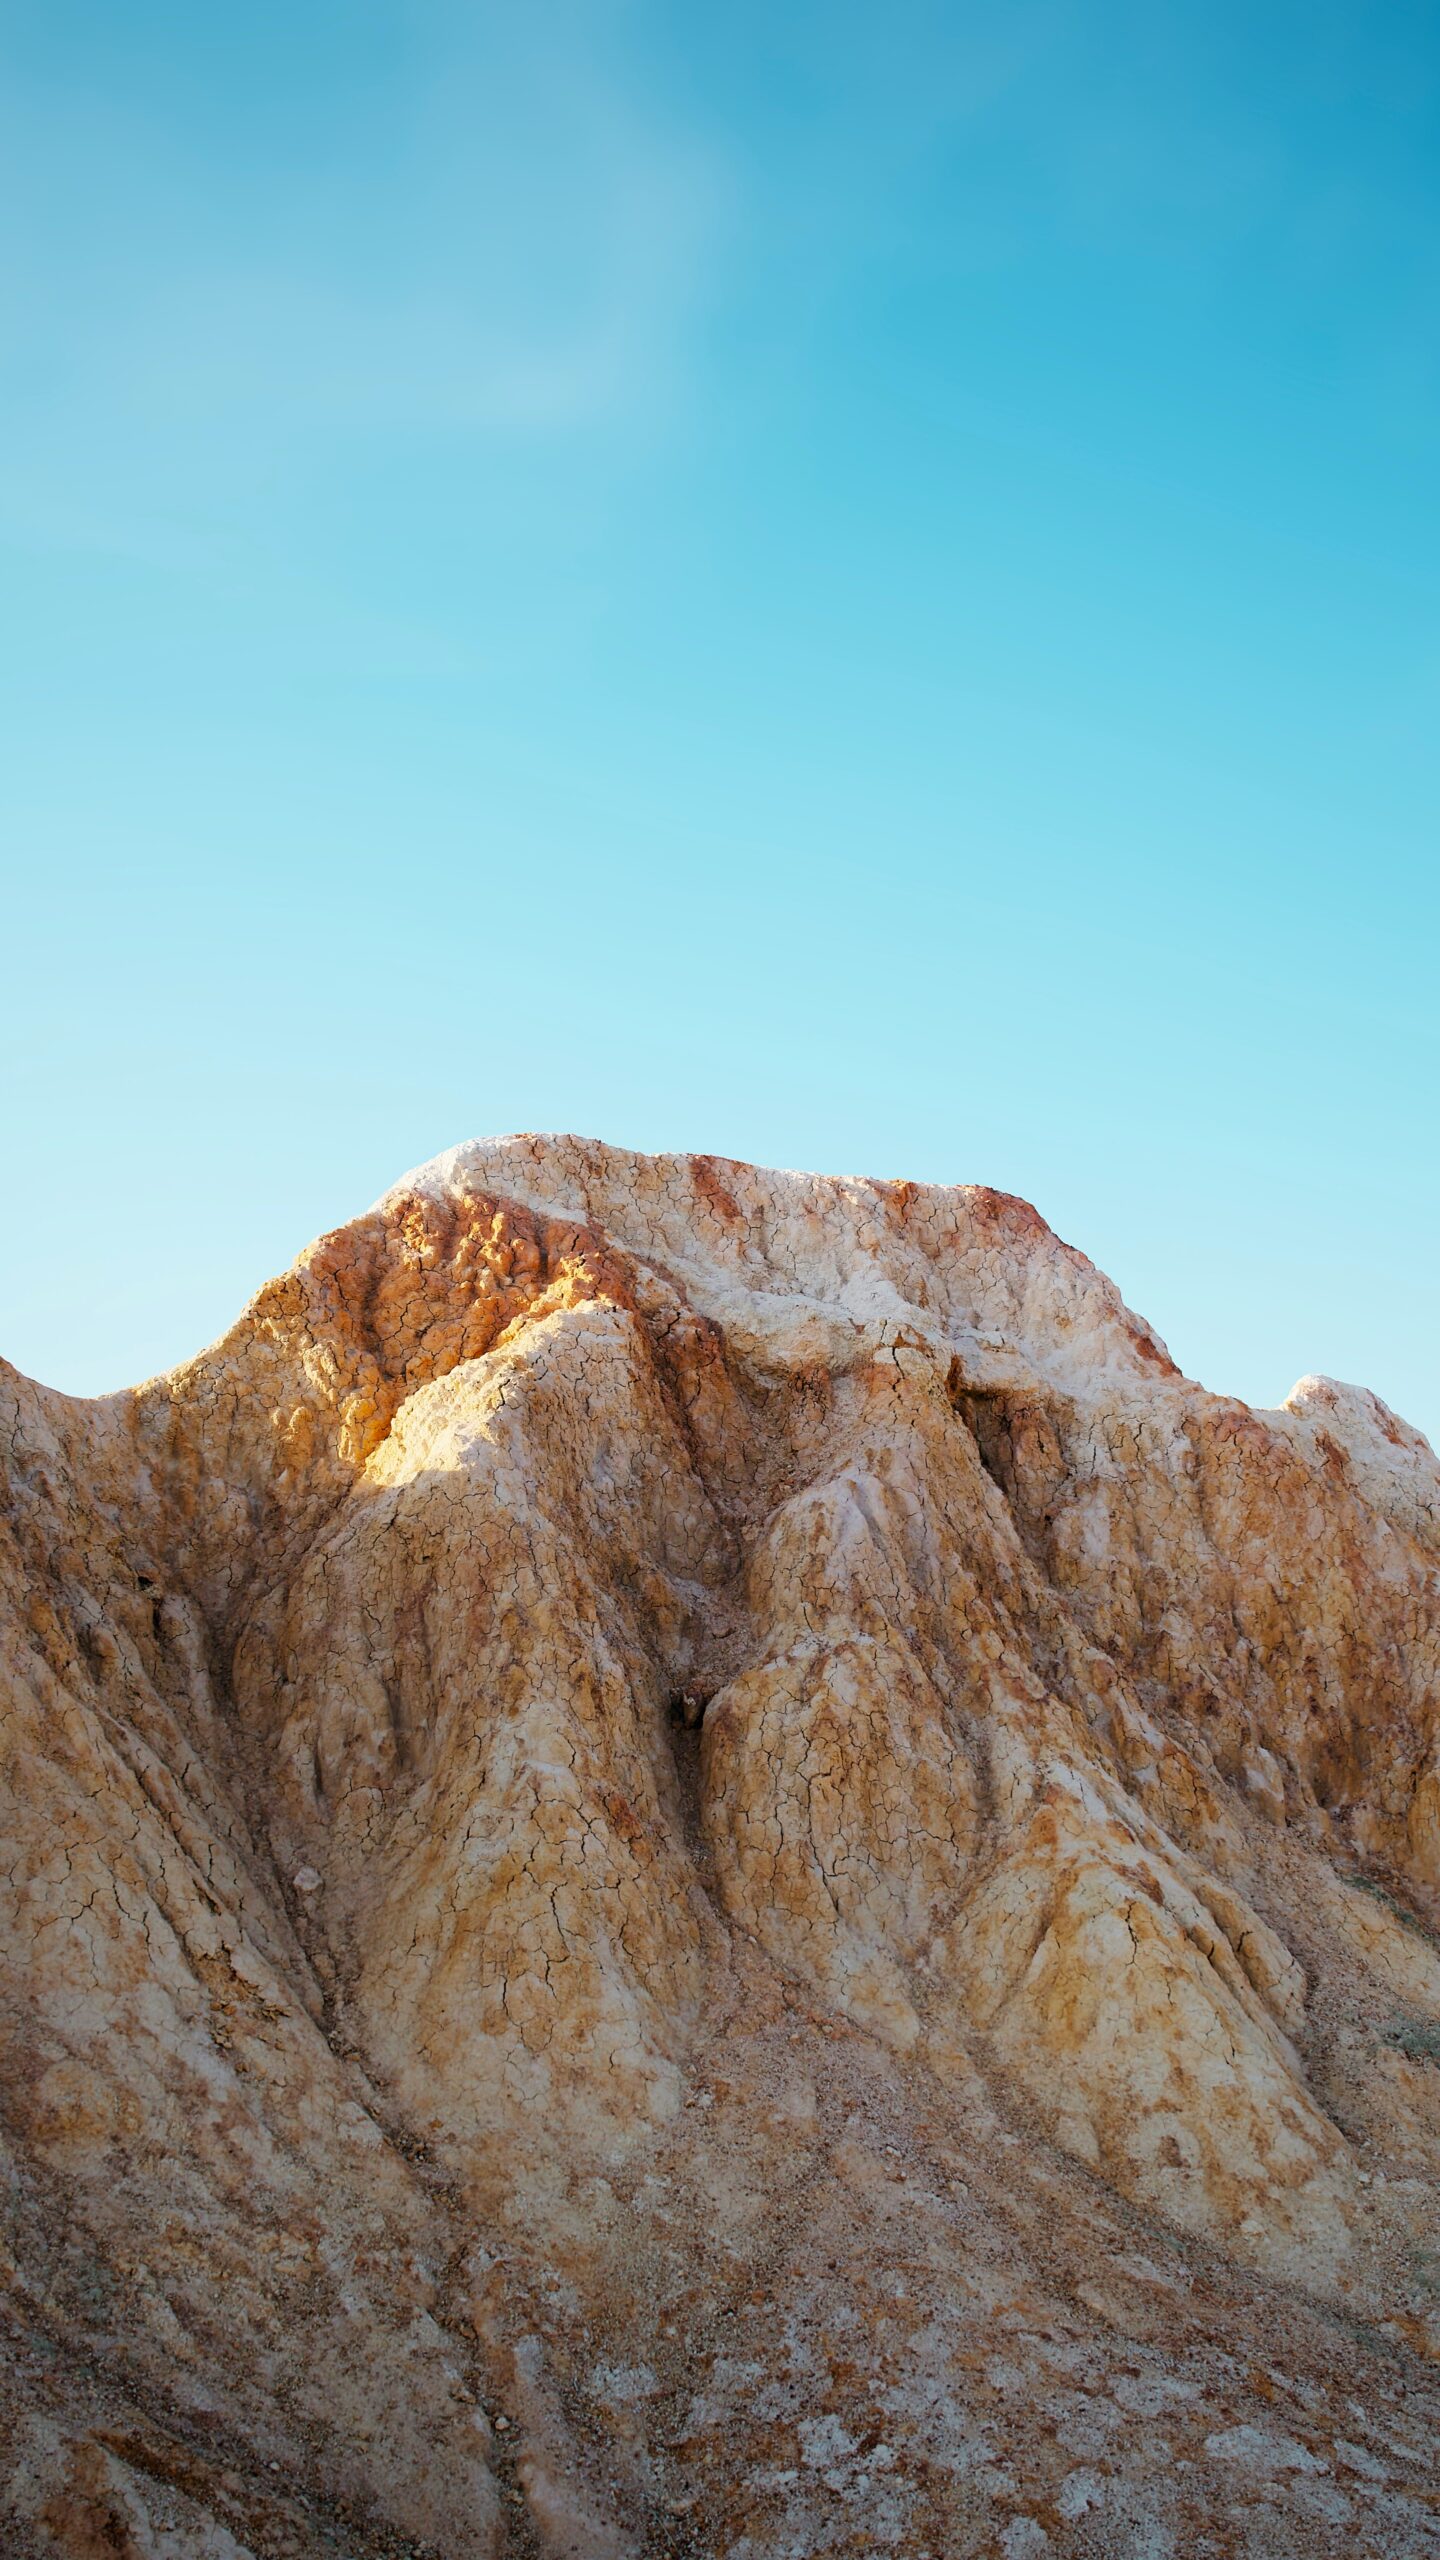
(694, 1863)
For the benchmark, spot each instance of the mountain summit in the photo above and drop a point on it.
(696, 1864)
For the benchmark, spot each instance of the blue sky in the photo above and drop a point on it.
(850, 587)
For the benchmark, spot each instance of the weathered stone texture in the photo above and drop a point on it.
(694, 1863)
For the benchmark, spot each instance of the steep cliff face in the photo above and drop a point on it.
(695, 1863)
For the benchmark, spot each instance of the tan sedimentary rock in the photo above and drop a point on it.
(693, 1862)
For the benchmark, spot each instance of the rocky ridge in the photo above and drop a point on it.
(694, 1864)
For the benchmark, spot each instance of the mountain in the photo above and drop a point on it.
(695, 1864)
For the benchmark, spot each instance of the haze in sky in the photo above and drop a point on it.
(852, 587)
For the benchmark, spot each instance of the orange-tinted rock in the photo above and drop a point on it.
(647, 1744)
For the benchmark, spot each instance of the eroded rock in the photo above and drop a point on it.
(654, 1768)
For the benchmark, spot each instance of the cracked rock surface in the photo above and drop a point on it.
(693, 1863)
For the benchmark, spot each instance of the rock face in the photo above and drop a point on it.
(695, 1864)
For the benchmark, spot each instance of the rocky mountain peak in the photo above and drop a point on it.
(697, 1863)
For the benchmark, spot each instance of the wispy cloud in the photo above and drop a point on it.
(513, 238)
